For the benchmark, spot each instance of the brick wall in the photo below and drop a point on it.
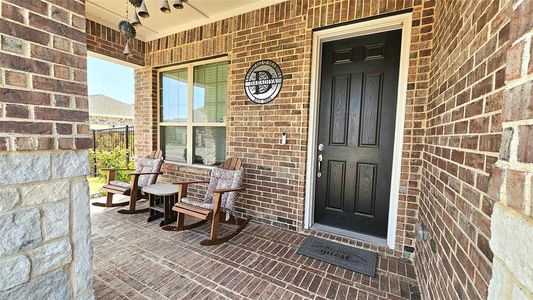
(45, 251)
(43, 79)
(511, 182)
(275, 174)
(463, 136)
(145, 114)
(466, 62)
(109, 42)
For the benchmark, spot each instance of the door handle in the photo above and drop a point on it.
(320, 158)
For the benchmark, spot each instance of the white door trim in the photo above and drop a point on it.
(401, 21)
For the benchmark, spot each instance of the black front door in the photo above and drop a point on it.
(358, 91)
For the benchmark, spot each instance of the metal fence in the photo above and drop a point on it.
(111, 138)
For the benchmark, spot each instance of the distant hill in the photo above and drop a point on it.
(102, 105)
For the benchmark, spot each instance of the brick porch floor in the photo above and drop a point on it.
(136, 260)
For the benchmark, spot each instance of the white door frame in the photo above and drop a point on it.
(401, 21)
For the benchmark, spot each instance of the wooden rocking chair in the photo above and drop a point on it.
(215, 207)
(133, 188)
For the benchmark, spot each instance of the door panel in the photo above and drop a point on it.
(366, 188)
(340, 99)
(358, 93)
(337, 172)
(370, 110)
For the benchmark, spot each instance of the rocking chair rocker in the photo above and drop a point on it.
(145, 174)
(217, 205)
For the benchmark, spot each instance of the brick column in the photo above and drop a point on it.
(511, 182)
(145, 110)
(45, 250)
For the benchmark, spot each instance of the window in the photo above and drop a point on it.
(192, 126)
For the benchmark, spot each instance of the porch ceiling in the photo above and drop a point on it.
(195, 13)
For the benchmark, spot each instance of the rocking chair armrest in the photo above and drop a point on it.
(146, 173)
(190, 182)
(222, 191)
(183, 185)
(111, 173)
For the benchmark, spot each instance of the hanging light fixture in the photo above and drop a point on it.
(129, 32)
(136, 3)
(127, 29)
(178, 4)
(127, 50)
(135, 21)
(143, 11)
(165, 7)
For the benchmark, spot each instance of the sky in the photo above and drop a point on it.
(110, 79)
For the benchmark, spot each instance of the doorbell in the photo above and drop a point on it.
(283, 140)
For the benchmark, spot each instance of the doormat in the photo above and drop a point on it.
(354, 259)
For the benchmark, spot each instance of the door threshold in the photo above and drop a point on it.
(351, 234)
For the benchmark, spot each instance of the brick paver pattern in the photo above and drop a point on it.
(137, 260)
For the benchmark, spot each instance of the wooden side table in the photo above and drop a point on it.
(162, 197)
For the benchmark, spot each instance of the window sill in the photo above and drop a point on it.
(186, 165)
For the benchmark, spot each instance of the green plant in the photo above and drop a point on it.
(95, 185)
(113, 159)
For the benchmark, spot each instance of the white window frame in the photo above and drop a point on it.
(189, 124)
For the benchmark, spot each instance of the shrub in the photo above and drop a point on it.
(113, 159)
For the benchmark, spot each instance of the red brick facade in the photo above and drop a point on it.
(467, 151)
(145, 114)
(453, 122)
(109, 42)
(462, 142)
(511, 180)
(43, 91)
(275, 176)
(284, 34)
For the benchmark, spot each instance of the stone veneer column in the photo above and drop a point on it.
(45, 249)
(511, 182)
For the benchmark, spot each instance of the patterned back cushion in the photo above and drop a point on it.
(224, 179)
(148, 165)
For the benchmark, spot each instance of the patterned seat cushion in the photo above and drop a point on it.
(148, 165)
(224, 179)
(197, 202)
(120, 184)
(220, 179)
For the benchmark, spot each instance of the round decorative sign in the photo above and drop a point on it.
(263, 81)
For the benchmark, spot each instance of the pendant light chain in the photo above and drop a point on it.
(128, 30)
